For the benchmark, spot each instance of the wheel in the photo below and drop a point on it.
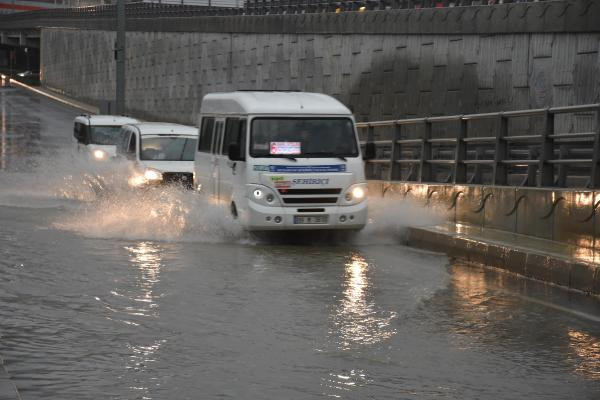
(234, 212)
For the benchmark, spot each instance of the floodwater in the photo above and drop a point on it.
(160, 296)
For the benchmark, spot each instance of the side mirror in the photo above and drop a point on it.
(235, 152)
(369, 153)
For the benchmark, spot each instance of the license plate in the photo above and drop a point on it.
(310, 219)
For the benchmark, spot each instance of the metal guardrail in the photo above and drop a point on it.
(251, 7)
(547, 156)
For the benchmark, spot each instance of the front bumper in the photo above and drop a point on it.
(338, 217)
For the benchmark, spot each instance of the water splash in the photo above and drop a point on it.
(101, 204)
(390, 216)
(57, 181)
(164, 213)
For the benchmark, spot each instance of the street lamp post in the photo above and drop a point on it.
(120, 57)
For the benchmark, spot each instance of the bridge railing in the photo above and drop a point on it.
(460, 153)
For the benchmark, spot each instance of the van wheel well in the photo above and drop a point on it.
(234, 211)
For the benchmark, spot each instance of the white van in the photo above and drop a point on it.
(98, 135)
(161, 153)
(282, 160)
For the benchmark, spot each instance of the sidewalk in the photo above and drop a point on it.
(558, 263)
(8, 391)
(54, 96)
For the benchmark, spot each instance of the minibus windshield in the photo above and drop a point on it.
(105, 134)
(303, 137)
(167, 148)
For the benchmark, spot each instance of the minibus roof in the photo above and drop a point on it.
(106, 120)
(267, 102)
(164, 128)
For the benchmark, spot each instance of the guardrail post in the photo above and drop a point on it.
(394, 151)
(561, 180)
(459, 174)
(370, 139)
(531, 168)
(500, 171)
(478, 173)
(545, 169)
(424, 165)
(595, 171)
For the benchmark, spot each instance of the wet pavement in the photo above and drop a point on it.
(160, 297)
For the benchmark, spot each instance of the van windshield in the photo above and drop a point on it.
(170, 148)
(105, 134)
(303, 137)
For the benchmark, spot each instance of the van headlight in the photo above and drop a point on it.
(262, 195)
(355, 193)
(99, 154)
(149, 176)
(152, 175)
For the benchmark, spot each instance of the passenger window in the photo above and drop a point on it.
(218, 138)
(206, 134)
(235, 130)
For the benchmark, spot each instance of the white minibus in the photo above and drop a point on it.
(160, 153)
(282, 160)
(98, 135)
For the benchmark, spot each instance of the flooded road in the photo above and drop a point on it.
(161, 297)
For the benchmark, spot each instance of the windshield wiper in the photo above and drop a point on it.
(326, 154)
(289, 158)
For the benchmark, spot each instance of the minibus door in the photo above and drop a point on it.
(232, 172)
(216, 154)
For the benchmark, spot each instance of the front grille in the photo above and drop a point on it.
(184, 179)
(309, 196)
(309, 191)
(309, 200)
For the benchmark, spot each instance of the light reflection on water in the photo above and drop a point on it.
(358, 322)
(147, 258)
(587, 349)
(358, 319)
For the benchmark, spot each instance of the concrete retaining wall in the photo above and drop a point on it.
(394, 71)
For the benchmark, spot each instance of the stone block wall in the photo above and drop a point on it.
(379, 76)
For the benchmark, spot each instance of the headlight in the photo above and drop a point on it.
(152, 175)
(262, 195)
(99, 154)
(356, 193)
(137, 180)
(149, 176)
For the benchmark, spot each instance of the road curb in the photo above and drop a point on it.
(8, 390)
(530, 263)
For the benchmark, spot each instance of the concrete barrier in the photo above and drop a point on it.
(544, 234)
(511, 255)
(568, 216)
